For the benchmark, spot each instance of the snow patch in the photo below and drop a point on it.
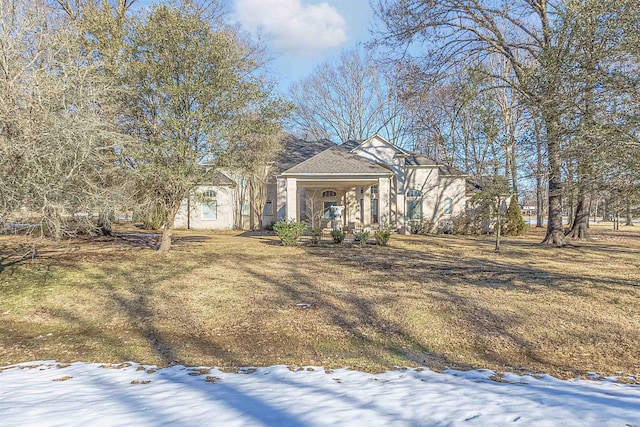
(49, 393)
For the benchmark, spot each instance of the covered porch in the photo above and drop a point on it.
(367, 200)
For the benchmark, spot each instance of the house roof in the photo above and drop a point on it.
(324, 156)
(338, 160)
(417, 159)
(221, 179)
(446, 170)
(472, 187)
(298, 150)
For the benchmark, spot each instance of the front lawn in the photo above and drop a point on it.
(228, 300)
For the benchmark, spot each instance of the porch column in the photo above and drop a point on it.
(281, 199)
(401, 214)
(292, 199)
(365, 216)
(352, 205)
(384, 200)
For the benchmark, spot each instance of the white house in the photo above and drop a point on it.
(376, 181)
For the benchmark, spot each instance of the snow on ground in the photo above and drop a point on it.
(47, 393)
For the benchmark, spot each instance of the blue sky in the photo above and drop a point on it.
(301, 34)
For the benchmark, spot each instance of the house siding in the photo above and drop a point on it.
(225, 211)
(399, 172)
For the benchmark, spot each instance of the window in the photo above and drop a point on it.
(268, 208)
(244, 208)
(447, 206)
(329, 193)
(374, 189)
(374, 211)
(414, 193)
(327, 209)
(209, 207)
(414, 209)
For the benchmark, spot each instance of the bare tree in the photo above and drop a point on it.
(254, 159)
(537, 38)
(351, 99)
(535, 46)
(314, 209)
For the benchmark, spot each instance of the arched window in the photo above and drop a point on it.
(209, 206)
(329, 193)
(447, 207)
(414, 193)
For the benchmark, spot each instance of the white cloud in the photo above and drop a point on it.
(292, 25)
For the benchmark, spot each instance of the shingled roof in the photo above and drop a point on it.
(298, 150)
(338, 160)
(417, 159)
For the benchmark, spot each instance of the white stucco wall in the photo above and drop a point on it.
(435, 190)
(453, 188)
(225, 211)
(377, 150)
(272, 196)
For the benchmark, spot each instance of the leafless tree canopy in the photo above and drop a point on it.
(352, 98)
(541, 46)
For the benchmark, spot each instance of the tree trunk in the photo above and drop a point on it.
(579, 228)
(555, 234)
(167, 231)
(498, 226)
(539, 179)
(514, 169)
(580, 222)
(629, 220)
(104, 223)
(252, 207)
(570, 196)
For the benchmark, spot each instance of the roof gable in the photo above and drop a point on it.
(338, 160)
(379, 141)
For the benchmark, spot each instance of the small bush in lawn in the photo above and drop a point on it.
(316, 233)
(514, 223)
(289, 232)
(382, 235)
(362, 237)
(338, 236)
(421, 226)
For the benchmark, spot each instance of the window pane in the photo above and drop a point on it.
(245, 208)
(374, 211)
(414, 209)
(414, 193)
(268, 208)
(329, 194)
(210, 210)
(374, 189)
(446, 208)
(327, 209)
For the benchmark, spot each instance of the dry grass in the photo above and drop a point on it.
(229, 300)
